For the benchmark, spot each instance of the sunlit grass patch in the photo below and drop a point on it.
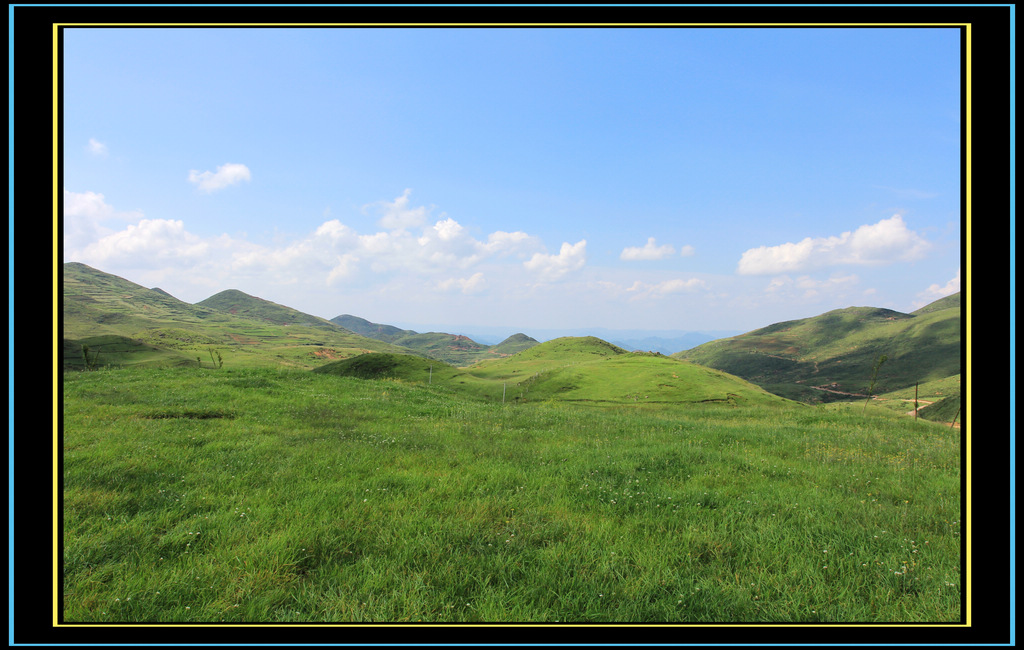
(335, 499)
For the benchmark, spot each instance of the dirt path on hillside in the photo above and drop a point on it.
(922, 402)
(913, 412)
(837, 392)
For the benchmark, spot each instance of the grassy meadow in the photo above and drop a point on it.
(202, 494)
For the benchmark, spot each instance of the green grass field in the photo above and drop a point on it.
(803, 359)
(270, 495)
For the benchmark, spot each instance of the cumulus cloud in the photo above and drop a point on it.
(96, 147)
(649, 251)
(504, 243)
(409, 246)
(571, 257)
(345, 267)
(227, 174)
(936, 291)
(441, 255)
(150, 242)
(86, 205)
(397, 215)
(85, 216)
(885, 242)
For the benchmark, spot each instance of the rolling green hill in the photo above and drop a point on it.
(948, 409)
(238, 303)
(949, 302)
(591, 370)
(513, 344)
(455, 349)
(387, 333)
(127, 324)
(384, 365)
(825, 358)
(580, 370)
(450, 348)
(832, 356)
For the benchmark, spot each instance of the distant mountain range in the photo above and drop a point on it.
(125, 324)
(456, 349)
(842, 354)
(663, 341)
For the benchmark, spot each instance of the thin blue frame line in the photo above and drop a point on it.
(498, 4)
(10, 314)
(520, 645)
(1013, 328)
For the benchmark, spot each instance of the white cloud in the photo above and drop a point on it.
(332, 260)
(649, 251)
(87, 205)
(503, 243)
(85, 215)
(449, 229)
(150, 242)
(885, 242)
(340, 254)
(397, 215)
(666, 287)
(96, 147)
(571, 257)
(227, 174)
(808, 287)
(936, 291)
(473, 284)
(345, 268)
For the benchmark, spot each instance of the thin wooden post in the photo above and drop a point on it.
(954, 418)
(915, 402)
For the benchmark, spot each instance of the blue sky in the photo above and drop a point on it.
(660, 178)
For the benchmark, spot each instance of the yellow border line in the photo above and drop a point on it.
(967, 416)
(966, 422)
(458, 25)
(56, 321)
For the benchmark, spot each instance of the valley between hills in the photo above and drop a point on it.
(109, 321)
(238, 461)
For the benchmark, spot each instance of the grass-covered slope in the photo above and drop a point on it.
(127, 324)
(455, 349)
(277, 496)
(96, 303)
(513, 344)
(832, 356)
(583, 370)
(450, 348)
(642, 380)
(949, 302)
(113, 350)
(387, 333)
(238, 303)
(383, 365)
